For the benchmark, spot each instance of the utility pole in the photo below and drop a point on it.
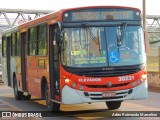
(144, 14)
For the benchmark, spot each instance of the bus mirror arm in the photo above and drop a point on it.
(59, 36)
(59, 39)
(59, 25)
(59, 33)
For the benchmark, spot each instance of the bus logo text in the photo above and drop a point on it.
(89, 79)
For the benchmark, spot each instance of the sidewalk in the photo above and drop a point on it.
(154, 89)
(1, 82)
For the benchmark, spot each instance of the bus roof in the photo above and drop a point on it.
(85, 7)
(55, 14)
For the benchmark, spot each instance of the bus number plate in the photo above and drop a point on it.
(108, 94)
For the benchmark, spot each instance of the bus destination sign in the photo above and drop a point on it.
(101, 15)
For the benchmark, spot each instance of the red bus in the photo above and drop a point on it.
(79, 55)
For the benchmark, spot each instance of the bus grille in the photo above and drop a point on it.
(105, 86)
(110, 71)
(107, 73)
(98, 95)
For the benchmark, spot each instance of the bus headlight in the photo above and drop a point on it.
(139, 81)
(144, 76)
(133, 84)
(81, 87)
(74, 84)
(67, 80)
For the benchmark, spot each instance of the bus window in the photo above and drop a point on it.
(18, 44)
(13, 45)
(130, 51)
(32, 41)
(4, 45)
(42, 37)
(84, 47)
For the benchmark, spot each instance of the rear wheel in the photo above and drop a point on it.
(51, 106)
(18, 94)
(113, 105)
(28, 97)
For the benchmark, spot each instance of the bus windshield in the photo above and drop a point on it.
(85, 47)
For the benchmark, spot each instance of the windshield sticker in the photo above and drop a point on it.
(81, 52)
(90, 60)
(126, 56)
(103, 53)
(113, 57)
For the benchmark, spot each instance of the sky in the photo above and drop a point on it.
(152, 7)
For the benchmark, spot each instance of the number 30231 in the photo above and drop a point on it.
(125, 78)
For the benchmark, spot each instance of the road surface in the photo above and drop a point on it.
(92, 111)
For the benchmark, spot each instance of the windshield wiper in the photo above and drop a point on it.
(120, 34)
(92, 36)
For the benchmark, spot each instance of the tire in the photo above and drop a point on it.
(17, 94)
(51, 106)
(28, 97)
(113, 105)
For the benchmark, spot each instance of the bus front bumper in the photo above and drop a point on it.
(73, 96)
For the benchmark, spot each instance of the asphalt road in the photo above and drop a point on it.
(92, 111)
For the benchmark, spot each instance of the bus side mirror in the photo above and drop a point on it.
(147, 45)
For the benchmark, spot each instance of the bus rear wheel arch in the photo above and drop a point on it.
(18, 94)
(112, 105)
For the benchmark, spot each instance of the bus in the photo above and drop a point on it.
(78, 55)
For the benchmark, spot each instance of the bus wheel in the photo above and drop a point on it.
(51, 106)
(18, 94)
(28, 97)
(113, 105)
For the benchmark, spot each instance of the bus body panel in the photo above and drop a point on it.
(43, 72)
(19, 73)
(37, 69)
(77, 96)
(13, 67)
(31, 77)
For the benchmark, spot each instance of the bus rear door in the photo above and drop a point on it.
(8, 56)
(23, 59)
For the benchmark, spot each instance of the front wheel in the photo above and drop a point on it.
(18, 94)
(51, 106)
(113, 105)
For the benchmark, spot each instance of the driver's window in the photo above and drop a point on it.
(55, 43)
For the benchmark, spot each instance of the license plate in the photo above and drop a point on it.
(109, 94)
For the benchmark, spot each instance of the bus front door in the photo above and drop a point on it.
(54, 65)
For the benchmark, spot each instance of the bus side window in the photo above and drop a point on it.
(13, 44)
(18, 44)
(55, 29)
(42, 40)
(32, 41)
(4, 45)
